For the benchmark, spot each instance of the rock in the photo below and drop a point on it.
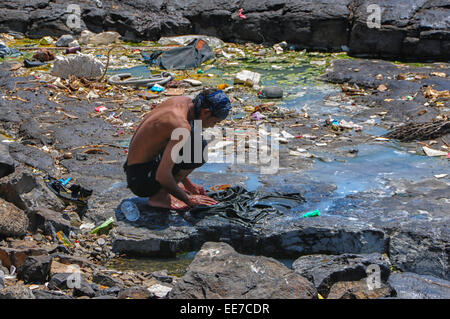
(218, 271)
(40, 218)
(414, 248)
(73, 281)
(359, 290)
(325, 270)
(64, 40)
(162, 276)
(16, 292)
(17, 256)
(2, 282)
(35, 269)
(193, 82)
(28, 192)
(49, 294)
(13, 221)
(134, 293)
(106, 280)
(413, 286)
(6, 161)
(101, 242)
(103, 38)
(80, 65)
(159, 291)
(213, 42)
(272, 92)
(31, 156)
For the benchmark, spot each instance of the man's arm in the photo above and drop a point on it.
(164, 173)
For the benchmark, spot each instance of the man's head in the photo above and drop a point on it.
(211, 106)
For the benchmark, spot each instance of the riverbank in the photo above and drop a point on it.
(380, 200)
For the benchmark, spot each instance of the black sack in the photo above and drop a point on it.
(190, 56)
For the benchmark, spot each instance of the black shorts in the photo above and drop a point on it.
(141, 178)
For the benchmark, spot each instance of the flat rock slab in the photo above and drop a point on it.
(218, 271)
(326, 270)
(422, 248)
(413, 286)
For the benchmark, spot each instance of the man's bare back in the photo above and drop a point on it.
(155, 131)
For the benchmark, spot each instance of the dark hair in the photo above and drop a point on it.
(200, 99)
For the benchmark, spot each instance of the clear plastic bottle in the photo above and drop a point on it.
(130, 210)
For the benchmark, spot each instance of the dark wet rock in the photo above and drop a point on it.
(31, 133)
(31, 156)
(17, 256)
(35, 269)
(218, 271)
(40, 218)
(422, 248)
(363, 73)
(6, 161)
(111, 291)
(413, 286)
(13, 221)
(2, 283)
(106, 280)
(85, 289)
(359, 290)
(320, 235)
(27, 191)
(134, 293)
(49, 294)
(16, 292)
(325, 270)
(413, 28)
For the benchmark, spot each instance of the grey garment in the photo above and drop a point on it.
(187, 57)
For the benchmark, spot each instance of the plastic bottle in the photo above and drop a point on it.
(130, 210)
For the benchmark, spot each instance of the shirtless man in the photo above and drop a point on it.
(151, 171)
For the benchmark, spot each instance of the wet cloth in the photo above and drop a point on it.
(188, 57)
(5, 51)
(141, 178)
(247, 208)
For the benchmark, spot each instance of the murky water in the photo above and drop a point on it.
(371, 169)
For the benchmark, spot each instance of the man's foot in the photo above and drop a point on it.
(168, 202)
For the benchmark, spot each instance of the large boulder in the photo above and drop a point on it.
(326, 270)
(218, 271)
(13, 221)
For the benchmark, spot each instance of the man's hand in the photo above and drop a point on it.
(201, 200)
(195, 189)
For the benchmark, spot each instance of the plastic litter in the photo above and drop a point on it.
(104, 227)
(130, 210)
(157, 88)
(271, 92)
(247, 77)
(126, 79)
(62, 237)
(314, 213)
(185, 39)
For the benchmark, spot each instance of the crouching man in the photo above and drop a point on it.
(151, 169)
